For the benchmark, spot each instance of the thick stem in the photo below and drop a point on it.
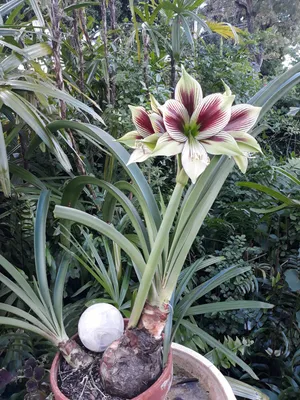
(154, 319)
(74, 354)
(157, 249)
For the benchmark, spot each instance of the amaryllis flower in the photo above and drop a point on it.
(149, 126)
(243, 118)
(196, 126)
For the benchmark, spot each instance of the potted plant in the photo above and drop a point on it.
(193, 126)
(189, 127)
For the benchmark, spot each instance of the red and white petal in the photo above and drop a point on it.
(188, 92)
(194, 159)
(130, 139)
(241, 162)
(166, 146)
(212, 115)
(139, 155)
(157, 123)
(175, 118)
(246, 142)
(222, 143)
(141, 120)
(243, 118)
(155, 106)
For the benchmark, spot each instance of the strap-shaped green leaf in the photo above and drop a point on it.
(212, 342)
(226, 306)
(96, 134)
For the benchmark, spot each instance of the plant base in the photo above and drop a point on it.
(136, 354)
(67, 384)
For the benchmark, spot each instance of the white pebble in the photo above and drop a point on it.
(99, 326)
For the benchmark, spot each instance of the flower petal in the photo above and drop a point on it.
(227, 89)
(243, 118)
(141, 120)
(188, 92)
(175, 117)
(246, 142)
(139, 155)
(157, 123)
(150, 141)
(213, 114)
(194, 159)
(241, 162)
(222, 143)
(155, 106)
(166, 146)
(130, 139)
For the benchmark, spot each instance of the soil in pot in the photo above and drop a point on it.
(186, 387)
(86, 384)
(82, 384)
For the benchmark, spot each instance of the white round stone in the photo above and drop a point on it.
(99, 326)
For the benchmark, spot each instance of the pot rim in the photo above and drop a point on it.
(204, 361)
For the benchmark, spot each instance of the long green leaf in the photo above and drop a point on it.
(288, 175)
(19, 106)
(16, 323)
(4, 169)
(187, 273)
(265, 189)
(212, 342)
(26, 176)
(51, 91)
(74, 188)
(36, 306)
(9, 6)
(38, 12)
(226, 306)
(185, 303)
(246, 391)
(23, 314)
(97, 134)
(58, 291)
(83, 218)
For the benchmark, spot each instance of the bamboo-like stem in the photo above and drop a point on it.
(113, 26)
(173, 75)
(157, 249)
(55, 15)
(105, 46)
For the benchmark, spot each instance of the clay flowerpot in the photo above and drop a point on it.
(213, 383)
(158, 391)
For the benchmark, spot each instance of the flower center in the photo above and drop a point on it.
(191, 130)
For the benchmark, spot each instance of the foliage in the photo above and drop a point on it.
(267, 243)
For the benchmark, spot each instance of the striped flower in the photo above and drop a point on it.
(149, 127)
(196, 126)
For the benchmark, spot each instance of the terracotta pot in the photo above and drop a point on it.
(210, 378)
(158, 391)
